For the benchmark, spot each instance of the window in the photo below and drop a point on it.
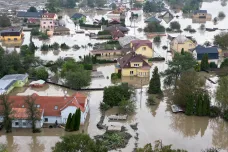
(9, 39)
(144, 48)
(136, 65)
(38, 106)
(131, 72)
(44, 22)
(50, 22)
(24, 124)
(16, 123)
(23, 106)
(56, 107)
(45, 119)
(15, 39)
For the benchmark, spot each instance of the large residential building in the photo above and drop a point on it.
(212, 52)
(133, 64)
(181, 42)
(8, 82)
(11, 34)
(52, 109)
(49, 21)
(143, 47)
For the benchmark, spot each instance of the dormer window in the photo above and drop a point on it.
(56, 107)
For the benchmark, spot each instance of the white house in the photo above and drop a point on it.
(52, 109)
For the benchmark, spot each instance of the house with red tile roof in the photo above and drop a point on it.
(133, 64)
(143, 47)
(52, 109)
(48, 21)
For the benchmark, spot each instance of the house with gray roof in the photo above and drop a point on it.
(126, 40)
(8, 82)
(28, 15)
(212, 52)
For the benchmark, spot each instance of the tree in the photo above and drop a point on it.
(5, 21)
(100, 3)
(6, 112)
(221, 40)
(3, 148)
(78, 142)
(78, 79)
(204, 62)
(70, 3)
(154, 27)
(137, 5)
(35, 32)
(77, 119)
(90, 3)
(69, 119)
(224, 63)
(113, 6)
(73, 123)
(127, 106)
(175, 25)
(113, 95)
(187, 86)
(53, 6)
(179, 64)
(222, 93)
(221, 15)
(157, 39)
(158, 147)
(155, 84)
(41, 73)
(153, 6)
(55, 46)
(32, 9)
(33, 112)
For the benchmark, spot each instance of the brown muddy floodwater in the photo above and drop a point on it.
(154, 123)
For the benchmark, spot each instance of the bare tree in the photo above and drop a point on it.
(6, 112)
(32, 111)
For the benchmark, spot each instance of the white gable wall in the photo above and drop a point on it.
(65, 112)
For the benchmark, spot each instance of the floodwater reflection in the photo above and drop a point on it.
(189, 126)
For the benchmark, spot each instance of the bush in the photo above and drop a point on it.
(33, 25)
(112, 42)
(127, 106)
(35, 32)
(175, 25)
(221, 15)
(55, 46)
(43, 36)
(151, 101)
(118, 75)
(157, 39)
(213, 65)
(103, 33)
(168, 29)
(76, 47)
(214, 111)
(44, 47)
(90, 25)
(225, 115)
(88, 66)
(64, 46)
(192, 30)
(154, 27)
(104, 106)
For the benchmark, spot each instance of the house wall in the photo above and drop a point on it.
(10, 38)
(25, 124)
(52, 119)
(143, 73)
(85, 113)
(186, 46)
(202, 15)
(10, 89)
(148, 52)
(47, 23)
(139, 64)
(126, 72)
(21, 83)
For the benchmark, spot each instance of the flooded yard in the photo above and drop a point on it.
(155, 122)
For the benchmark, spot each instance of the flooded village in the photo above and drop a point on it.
(125, 73)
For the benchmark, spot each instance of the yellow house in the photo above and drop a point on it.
(182, 42)
(133, 64)
(143, 47)
(11, 34)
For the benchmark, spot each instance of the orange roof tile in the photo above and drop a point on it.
(48, 103)
(21, 113)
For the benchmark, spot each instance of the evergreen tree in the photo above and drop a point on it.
(72, 124)
(200, 106)
(78, 118)
(67, 127)
(155, 84)
(190, 105)
(182, 51)
(204, 62)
